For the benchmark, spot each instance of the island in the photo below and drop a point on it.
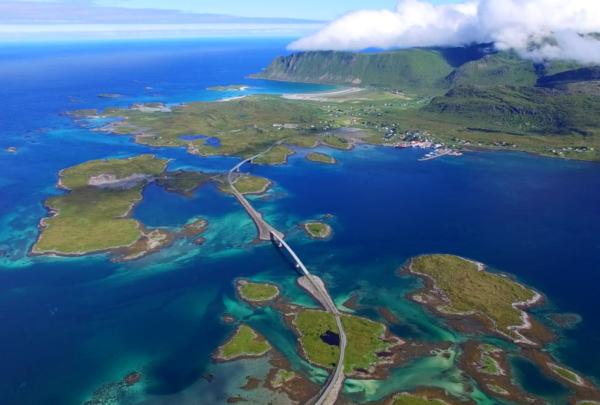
(370, 345)
(248, 184)
(95, 213)
(321, 158)
(317, 230)
(244, 343)
(459, 288)
(256, 292)
(489, 366)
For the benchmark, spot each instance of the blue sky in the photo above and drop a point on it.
(25, 19)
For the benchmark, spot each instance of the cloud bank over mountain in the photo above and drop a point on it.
(537, 29)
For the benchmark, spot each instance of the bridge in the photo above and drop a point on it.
(311, 283)
(315, 286)
(263, 227)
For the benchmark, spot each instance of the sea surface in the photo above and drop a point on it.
(72, 325)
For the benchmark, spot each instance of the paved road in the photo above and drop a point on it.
(314, 285)
(264, 228)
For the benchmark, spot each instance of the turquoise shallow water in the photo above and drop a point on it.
(71, 325)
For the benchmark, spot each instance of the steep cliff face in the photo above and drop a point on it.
(413, 70)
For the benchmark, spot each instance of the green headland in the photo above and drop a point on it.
(245, 342)
(321, 158)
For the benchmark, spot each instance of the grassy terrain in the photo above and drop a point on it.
(413, 70)
(565, 373)
(78, 176)
(282, 377)
(276, 155)
(410, 399)
(248, 184)
(487, 364)
(364, 339)
(321, 158)
(182, 182)
(245, 342)
(257, 291)
(470, 290)
(336, 142)
(91, 219)
(318, 230)
(244, 127)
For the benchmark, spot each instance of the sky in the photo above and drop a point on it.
(106, 19)
(537, 29)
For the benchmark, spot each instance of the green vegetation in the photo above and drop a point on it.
(94, 218)
(317, 230)
(336, 142)
(244, 127)
(248, 184)
(496, 69)
(182, 182)
(566, 374)
(411, 399)
(414, 70)
(321, 158)
(244, 343)
(80, 175)
(282, 377)
(471, 289)
(364, 339)
(276, 155)
(257, 292)
(488, 364)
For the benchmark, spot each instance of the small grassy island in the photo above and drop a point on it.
(245, 342)
(257, 292)
(276, 155)
(566, 374)
(320, 341)
(317, 230)
(457, 286)
(248, 184)
(94, 216)
(321, 158)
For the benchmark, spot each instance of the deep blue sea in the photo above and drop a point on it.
(70, 325)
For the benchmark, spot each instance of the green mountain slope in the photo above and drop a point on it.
(496, 69)
(520, 110)
(412, 70)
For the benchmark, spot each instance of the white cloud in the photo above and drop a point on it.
(557, 27)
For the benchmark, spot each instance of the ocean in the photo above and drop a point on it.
(72, 325)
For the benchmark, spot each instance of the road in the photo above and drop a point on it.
(311, 283)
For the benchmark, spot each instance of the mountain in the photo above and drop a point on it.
(414, 70)
(423, 71)
(583, 80)
(518, 109)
